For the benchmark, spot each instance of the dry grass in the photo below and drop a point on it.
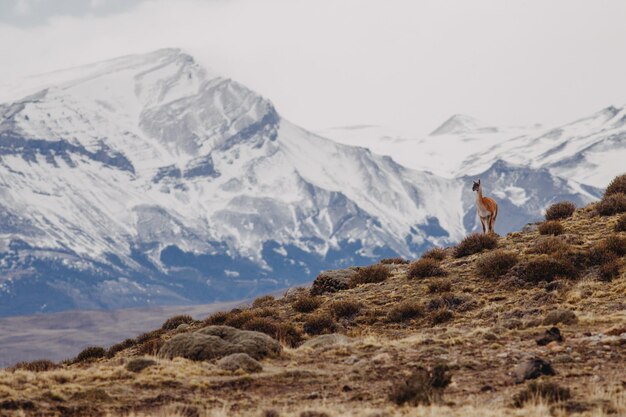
(407, 310)
(549, 245)
(561, 210)
(394, 261)
(435, 253)
(546, 268)
(541, 390)
(41, 365)
(439, 286)
(319, 323)
(426, 267)
(475, 243)
(263, 301)
(620, 226)
(495, 264)
(306, 303)
(345, 308)
(370, 275)
(551, 227)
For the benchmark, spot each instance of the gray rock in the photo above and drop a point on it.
(139, 364)
(532, 368)
(241, 361)
(326, 340)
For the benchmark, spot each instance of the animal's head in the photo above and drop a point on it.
(476, 186)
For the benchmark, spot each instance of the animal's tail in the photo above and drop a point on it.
(493, 221)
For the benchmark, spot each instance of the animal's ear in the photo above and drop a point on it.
(479, 182)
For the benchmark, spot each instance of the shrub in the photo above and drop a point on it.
(319, 323)
(149, 335)
(238, 318)
(173, 322)
(306, 303)
(447, 301)
(600, 254)
(439, 286)
(609, 270)
(545, 268)
(344, 309)
(620, 226)
(495, 264)
(426, 267)
(41, 365)
(551, 227)
(289, 335)
(261, 324)
(90, 353)
(617, 185)
(616, 244)
(262, 301)
(118, 347)
(613, 204)
(217, 318)
(423, 387)
(139, 364)
(332, 281)
(393, 261)
(474, 243)
(441, 315)
(561, 210)
(549, 245)
(560, 316)
(435, 253)
(370, 274)
(405, 311)
(150, 347)
(546, 391)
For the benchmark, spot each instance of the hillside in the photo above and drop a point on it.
(474, 317)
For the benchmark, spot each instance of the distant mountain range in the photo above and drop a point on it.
(149, 180)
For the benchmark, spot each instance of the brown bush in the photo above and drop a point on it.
(150, 347)
(613, 204)
(370, 274)
(541, 390)
(615, 244)
(237, 318)
(451, 301)
(425, 267)
(617, 185)
(139, 364)
(545, 268)
(439, 286)
(173, 322)
(551, 227)
(306, 303)
(263, 301)
(404, 311)
(217, 318)
(289, 335)
(609, 270)
(423, 387)
(344, 309)
(620, 226)
(495, 264)
(118, 347)
(441, 315)
(435, 253)
(474, 243)
(41, 365)
(261, 324)
(90, 353)
(560, 210)
(393, 261)
(319, 323)
(549, 245)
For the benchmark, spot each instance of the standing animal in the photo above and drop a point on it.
(486, 208)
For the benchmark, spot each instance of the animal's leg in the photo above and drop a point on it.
(492, 223)
(482, 222)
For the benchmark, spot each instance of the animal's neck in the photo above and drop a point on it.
(479, 194)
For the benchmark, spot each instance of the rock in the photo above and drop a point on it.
(560, 316)
(241, 361)
(532, 368)
(182, 327)
(326, 340)
(551, 335)
(139, 364)
(530, 227)
(214, 342)
(332, 281)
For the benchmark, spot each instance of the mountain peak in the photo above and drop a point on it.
(461, 123)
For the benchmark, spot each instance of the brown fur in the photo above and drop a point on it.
(487, 209)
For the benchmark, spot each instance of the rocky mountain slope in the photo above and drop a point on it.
(529, 324)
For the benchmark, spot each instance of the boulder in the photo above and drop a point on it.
(551, 335)
(560, 316)
(214, 342)
(532, 368)
(241, 361)
(326, 340)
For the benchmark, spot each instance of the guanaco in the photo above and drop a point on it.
(486, 207)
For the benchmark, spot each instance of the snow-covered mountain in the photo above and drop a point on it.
(150, 180)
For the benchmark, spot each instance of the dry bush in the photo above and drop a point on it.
(449, 300)
(435, 253)
(546, 268)
(217, 318)
(270, 413)
(288, 335)
(495, 264)
(549, 245)
(139, 364)
(150, 347)
(261, 324)
(425, 267)
(404, 311)
(262, 301)
(441, 315)
(620, 226)
(439, 286)
(609, 270)
(344, 309)
(607, 251)
(90, 353)
(370, 274)
(238, 318)
(173, 322)
(423, 387)
(613, 204)
(41, 365)
(319, 323)
(615, 244)
(393, 261)
(313, 413)
(118, 347)
(541, 391)
(474, 243)
(560, 210)
(617, 185)
(551, 227)
(306, 303)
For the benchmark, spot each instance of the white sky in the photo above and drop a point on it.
(403, 64)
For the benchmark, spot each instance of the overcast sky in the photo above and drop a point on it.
(404, 64)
